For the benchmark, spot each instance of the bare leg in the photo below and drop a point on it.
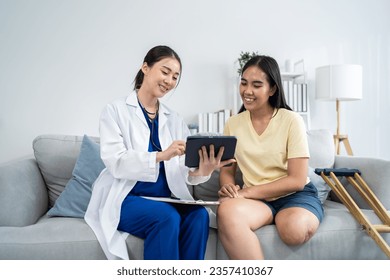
(237, 220)
(296, 225)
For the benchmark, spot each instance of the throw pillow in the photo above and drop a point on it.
(322, 187)
(73, 201)
(56, 156)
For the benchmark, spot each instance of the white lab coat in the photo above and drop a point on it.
(124, 141)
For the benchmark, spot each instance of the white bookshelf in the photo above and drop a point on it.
(213, 122)
(295, 90)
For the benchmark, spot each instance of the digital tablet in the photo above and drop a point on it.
(194, 143)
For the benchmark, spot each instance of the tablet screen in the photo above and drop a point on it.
(194, 143)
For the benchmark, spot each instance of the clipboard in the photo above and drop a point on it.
(195, 142)
(182, 201)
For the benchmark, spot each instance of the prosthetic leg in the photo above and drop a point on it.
(353, 176)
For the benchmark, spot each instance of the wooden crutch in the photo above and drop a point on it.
(330, 176)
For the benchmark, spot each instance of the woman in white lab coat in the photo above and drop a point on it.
(143, 145)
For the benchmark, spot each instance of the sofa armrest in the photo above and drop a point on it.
(375, 172)
(24, 197)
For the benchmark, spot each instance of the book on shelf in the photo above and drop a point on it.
(304, 98)
(287, 87)
(210, 122)
(296, 95)
(213, 122)
(299, 98)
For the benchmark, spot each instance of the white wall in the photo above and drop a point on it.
(62, 61)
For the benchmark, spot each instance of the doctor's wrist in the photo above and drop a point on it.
(160, 156)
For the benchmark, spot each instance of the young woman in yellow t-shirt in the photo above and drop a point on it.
(272, 153)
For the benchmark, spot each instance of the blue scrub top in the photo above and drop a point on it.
(160, 187)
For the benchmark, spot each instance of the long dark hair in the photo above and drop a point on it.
(271, 68)
(154, 55)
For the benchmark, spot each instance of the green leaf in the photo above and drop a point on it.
(244, 58)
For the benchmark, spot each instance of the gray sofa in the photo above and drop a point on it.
(29, 188)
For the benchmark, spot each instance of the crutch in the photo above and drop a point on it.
(330, 176)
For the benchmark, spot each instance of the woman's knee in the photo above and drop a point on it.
(297, 236)
(226, 210)
(230, 214)
(296, 231)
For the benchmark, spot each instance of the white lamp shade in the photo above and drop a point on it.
(339, 82)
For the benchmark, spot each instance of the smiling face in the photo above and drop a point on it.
(160, 78)
(255, 89)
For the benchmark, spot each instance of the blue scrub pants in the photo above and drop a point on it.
(170, 231)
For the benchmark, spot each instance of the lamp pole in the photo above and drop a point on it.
(338, 117)
(338, 138)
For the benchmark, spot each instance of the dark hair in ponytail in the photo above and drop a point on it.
(271, 68)
(154, 55)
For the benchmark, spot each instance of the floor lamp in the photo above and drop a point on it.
(340, 83)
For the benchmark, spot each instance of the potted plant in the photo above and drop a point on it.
(243, 58)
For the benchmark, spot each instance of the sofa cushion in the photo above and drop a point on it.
(73, 201)
(50, 239)
(208, 191)
(322, 155)
(321, 147)
(56, 156)
(322, 187)
(374, 171)
(23, 198)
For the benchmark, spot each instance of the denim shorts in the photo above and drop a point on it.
(307, 198)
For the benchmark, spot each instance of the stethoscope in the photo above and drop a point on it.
(151, 134)
(152, 121)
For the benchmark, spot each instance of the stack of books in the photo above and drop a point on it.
(213, 122)
(296, 95)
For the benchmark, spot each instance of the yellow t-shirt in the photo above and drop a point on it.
(263, 158)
